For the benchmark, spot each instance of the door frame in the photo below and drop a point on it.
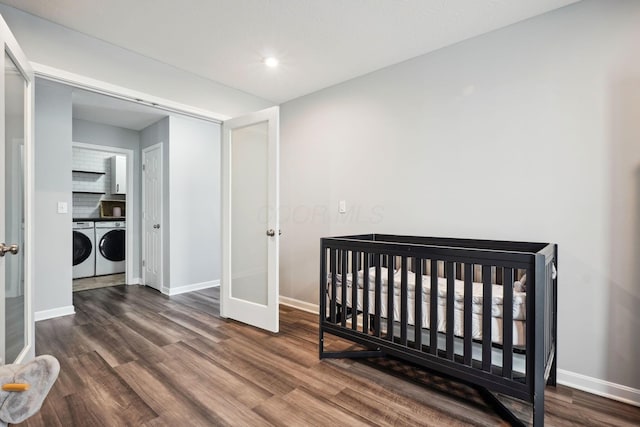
(13, 49)
(129, 197)
(144, 151)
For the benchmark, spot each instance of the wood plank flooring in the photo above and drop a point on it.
(96, 282)
(133, 357)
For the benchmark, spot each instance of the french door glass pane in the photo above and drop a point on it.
(14, 209)
(249, 201)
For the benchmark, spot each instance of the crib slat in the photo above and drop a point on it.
(404, 297)
(486, 317)
(344, 305)
(390, 295)
(334, 278)
(468, 311)
(433, 309)
(507, 317)
(451, 294)
(378, 295)
(365, 293)
(417, 322)
(355, 256)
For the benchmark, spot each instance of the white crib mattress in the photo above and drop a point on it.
(519, 304)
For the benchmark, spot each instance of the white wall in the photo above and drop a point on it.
(111, 136)
(54, 45)
(52, 231)
(194, 186)
(528, 133)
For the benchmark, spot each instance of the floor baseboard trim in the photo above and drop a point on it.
(190, 288)
(300, 305)
(135, 281)
(54, 312)
(619, 392)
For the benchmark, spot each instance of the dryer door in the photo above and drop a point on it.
(112, 245)
(81, 247)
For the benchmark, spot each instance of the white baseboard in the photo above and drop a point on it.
(300, 305)
(54, 312)
(607, 389)
(135, 281)
(190, 288)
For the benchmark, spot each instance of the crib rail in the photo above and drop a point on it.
(446, 304)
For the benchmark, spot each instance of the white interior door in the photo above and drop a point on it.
(250, 223)
(16, 111)
(152, 216)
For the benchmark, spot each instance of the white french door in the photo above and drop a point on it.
(16, 172)
(152, 216)
(250, 222)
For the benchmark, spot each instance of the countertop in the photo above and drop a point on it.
(120, 218)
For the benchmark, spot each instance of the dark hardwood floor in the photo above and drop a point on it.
(131, 356)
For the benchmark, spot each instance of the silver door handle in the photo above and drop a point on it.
(14, 249)
(156, 225)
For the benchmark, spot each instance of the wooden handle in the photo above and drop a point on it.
(15, 387)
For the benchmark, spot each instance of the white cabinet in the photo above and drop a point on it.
(119, 175)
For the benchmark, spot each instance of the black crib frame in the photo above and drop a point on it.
(339, 255)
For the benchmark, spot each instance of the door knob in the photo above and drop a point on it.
(271, 232)
(14, 249)
(156, 225)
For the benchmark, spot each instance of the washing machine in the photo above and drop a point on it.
(84, 253)
(111, 243)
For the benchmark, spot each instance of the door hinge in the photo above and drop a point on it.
(144, 167)
(144, 263)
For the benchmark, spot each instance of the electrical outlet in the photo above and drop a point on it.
(63, 208)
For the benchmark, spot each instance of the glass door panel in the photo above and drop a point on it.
(249, 201)
(14, 178)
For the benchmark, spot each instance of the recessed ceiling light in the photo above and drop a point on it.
(271, 62)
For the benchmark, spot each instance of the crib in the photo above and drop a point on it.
(482, 312)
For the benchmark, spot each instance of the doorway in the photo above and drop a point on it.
(106, 167)
(102, 226)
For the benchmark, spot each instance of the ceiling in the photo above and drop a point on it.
(104, 109)
(319, 42)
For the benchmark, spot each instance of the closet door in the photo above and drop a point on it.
(250, 223)
(16, 107)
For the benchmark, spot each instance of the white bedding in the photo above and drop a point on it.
(519, 304)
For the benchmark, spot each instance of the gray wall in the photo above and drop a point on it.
(52, 231)
(151, 135)
(529, 133)
(54, 45)
(112, 136)
(194, 181)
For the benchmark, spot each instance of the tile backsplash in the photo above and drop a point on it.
(88, 205)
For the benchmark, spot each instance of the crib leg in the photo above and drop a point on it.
(538, 410)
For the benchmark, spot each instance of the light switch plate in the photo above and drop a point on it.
(63, 208)
(342, 206)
